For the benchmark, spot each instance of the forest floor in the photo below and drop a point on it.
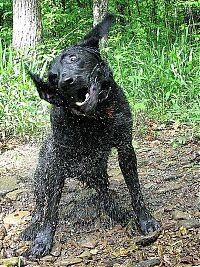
(169, 171)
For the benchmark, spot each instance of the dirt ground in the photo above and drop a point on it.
(168, 165)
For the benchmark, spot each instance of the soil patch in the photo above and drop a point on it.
(169, 171)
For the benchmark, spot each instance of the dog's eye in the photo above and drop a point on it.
(72, 58)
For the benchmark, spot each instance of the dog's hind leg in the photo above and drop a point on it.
(48, 184)
(99, 180)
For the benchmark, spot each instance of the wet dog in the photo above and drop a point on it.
(90, 115)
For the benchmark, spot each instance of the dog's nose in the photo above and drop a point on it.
(67, 80)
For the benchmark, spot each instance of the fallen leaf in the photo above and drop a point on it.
(17, 217)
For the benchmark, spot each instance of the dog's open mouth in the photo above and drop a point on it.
(86, 100)
(83, 96)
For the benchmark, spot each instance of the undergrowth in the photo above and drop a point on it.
(22, 113)
(161, 81)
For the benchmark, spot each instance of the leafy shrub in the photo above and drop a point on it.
(22, 113)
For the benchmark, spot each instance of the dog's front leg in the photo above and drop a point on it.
(42, 242)
(48, 184)
(128, 164)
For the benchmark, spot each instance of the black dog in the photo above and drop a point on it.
(90, 115)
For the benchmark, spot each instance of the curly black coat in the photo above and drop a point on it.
(90, 115)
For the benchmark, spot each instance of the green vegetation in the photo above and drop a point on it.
(153, 50)
(22, 113)
(162, 82)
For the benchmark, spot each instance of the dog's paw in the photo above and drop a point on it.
(148, 225)
(41, 246)
(42, 243)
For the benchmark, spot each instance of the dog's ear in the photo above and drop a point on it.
(98, 32)
(45, 91)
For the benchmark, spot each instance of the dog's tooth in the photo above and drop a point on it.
(79, 103)
(87, 96)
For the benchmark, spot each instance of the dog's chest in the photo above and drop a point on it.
(84, 147)
(83, 138)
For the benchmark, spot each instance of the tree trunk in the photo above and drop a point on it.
(100, 8)
(26, 24)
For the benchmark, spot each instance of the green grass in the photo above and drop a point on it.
(22, 113)
(162, 82)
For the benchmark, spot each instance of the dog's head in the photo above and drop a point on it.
(78, 79)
